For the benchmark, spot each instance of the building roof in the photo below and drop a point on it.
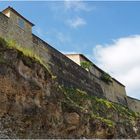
(13, 10)
(94, 66)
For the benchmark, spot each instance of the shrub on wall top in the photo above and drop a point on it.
(106, 78)
(85, 64)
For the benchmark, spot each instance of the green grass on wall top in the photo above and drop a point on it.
(27, 51)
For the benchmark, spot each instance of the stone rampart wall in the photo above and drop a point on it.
(68, 73)
(114, 91)
(72, 75)
(133, 104)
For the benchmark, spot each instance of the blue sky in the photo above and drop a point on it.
(103, 22)
(92, 28)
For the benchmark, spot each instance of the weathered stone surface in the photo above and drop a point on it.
(72, 118)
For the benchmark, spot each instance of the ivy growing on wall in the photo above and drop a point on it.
(75, 99)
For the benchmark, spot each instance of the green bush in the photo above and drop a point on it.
(86, 64)
(3, 42)
(106, 78)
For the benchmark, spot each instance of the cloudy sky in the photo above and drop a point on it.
(108, 33)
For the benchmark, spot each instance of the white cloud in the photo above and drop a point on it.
(70, 12)
(122, 60)
(77, 6)
(76, 22)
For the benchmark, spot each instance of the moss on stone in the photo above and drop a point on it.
(99, 108)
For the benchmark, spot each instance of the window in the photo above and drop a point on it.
(21, 23)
